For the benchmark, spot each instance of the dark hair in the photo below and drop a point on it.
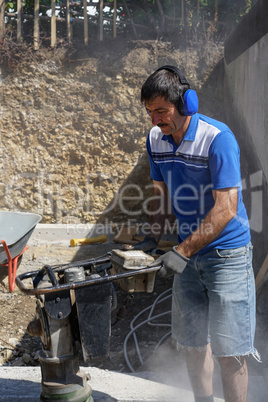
(163, 83)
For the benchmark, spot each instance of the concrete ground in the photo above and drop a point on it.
(162, 378)
(24, 384)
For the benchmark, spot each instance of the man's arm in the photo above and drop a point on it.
(224, 209)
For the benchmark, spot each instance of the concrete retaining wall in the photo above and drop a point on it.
(246, 105)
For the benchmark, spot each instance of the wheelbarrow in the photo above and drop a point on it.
(15, 231)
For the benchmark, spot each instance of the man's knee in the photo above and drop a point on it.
(233, 364)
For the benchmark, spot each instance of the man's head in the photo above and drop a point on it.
(169, 83)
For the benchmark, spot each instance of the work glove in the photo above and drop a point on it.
(171, 263)
(147, 244)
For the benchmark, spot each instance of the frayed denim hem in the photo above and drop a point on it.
(254, 354)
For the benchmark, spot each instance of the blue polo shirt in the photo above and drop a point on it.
(206, 159)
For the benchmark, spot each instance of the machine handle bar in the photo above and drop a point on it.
(84, 263)
(76, 285)
(51, 275)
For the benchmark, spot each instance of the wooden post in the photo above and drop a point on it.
(2, 18)
(182, 13)
(19, 20)
(68, 23)
(36, 24)
(129, 17)
(216, 12)
(114, 20)
(197, 10)
(53, 23)
(101, 20)
(85, 23)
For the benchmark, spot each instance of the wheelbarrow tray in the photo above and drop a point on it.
(16, 229)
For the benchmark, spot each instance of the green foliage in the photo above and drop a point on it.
(9, 5)
(28, 6)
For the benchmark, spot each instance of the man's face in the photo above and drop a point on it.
(165, 115)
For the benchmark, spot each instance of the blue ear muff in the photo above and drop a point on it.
(190, 103)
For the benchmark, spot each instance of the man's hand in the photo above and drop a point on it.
(147, 244)
(172, 263)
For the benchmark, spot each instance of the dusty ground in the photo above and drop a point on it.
(17, 347)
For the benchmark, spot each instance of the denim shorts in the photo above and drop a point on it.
(214, 302)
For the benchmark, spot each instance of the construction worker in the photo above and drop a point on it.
(194, 160)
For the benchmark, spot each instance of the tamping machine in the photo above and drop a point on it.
(73, 315)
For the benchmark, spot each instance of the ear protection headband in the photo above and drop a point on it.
(188, 100)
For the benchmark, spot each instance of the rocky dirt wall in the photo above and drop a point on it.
(73, 130)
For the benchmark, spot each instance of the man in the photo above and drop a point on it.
(194, 160)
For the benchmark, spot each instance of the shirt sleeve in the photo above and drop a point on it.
(155, 172)
(224, 161)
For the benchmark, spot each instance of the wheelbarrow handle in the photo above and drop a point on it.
(77, 285)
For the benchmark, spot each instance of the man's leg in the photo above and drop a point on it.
(234, 378)
(200, 366)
